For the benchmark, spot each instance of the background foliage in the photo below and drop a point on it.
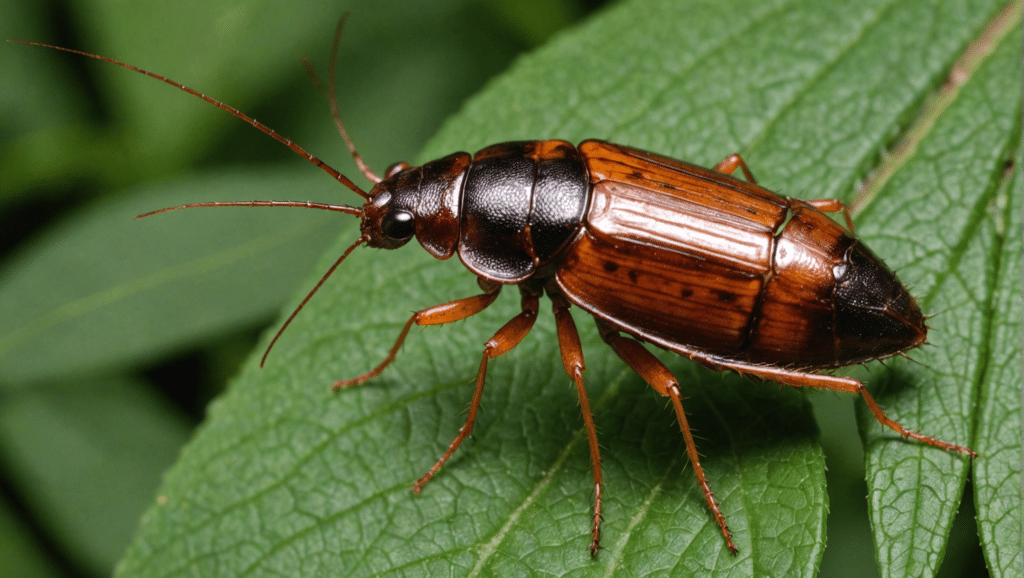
(115, 334)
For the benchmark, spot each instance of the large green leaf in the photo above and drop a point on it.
(287, 478)
(20, 555)
(156, 287)
(997, 473)
(955, 212)
(85, 456)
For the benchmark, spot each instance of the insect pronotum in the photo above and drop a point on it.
(692, 260)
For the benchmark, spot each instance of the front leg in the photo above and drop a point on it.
(503, 341)
(436, 315)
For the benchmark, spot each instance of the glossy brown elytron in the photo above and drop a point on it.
(689, 259)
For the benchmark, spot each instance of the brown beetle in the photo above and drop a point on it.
(692, 260)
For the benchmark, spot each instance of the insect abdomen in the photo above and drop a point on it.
(732, 270)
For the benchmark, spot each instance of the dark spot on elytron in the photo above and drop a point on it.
(686, 293)
(611, 266)
(637, 175)
(726, 296)
(633, 275)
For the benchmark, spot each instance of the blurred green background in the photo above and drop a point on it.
(83, 437)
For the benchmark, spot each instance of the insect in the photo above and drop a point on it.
(688, 259)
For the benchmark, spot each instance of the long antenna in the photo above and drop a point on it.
(305, 204)
(330, 89)
(309, 296)
(234, 111)
(332, 98)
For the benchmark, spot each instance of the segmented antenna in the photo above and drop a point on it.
(309, 296)
(332, 98)
(304, 204)
(234, 111)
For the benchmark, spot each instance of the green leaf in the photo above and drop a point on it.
(86, 458)
(20, 552)
(997, 473)
(998, 433)
(151, 285)
(288, 478)
(957, 222)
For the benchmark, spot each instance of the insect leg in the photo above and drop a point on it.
(436, 315)
(821, 381)
(572, 359)
(503, 341)
(833, 206)
(734, 161)
(730, 163)
(661, 379)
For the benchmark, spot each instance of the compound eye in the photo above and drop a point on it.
(398, 225)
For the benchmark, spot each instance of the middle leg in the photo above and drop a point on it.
(734, 161)
(572, 359)
(661, 379)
